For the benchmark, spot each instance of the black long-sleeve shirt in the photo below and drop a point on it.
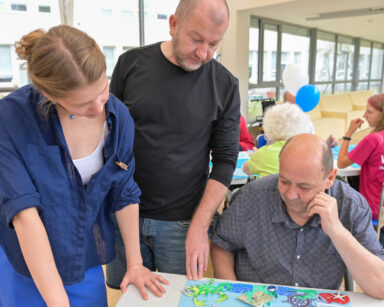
(179, 117)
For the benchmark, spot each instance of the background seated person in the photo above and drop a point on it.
(300, 227)
(280, 123)
(288, 97)
(246, 139)
(331, 140)
(368, 153)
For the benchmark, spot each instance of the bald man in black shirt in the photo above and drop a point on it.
(184, 105)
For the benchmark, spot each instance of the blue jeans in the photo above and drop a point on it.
(162, 245)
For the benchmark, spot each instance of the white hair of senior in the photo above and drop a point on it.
(284, 121)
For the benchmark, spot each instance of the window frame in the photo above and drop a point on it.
(314, 33)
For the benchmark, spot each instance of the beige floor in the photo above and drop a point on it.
(114, 295)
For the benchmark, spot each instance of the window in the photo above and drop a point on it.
(297, 57)
(24, 78)
(342, 88)
(375, 87)
(106, 12)
(253, 62)
(282, 45)
(270, 53)
(5, 63)
(258, 93)
(345, 58)
(325, 89)
(330, 66)
(18, 7)
(284, 59)
(109, 53)
(377, 61)
(325, 56)
(364, 59)
(294, 46)
(117, 28)
(162, 16)
(44, 9)
(4, 6)
(156, 12)
(127, 13)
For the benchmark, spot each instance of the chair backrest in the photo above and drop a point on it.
(315, 113)
(359, 98)
(339, 102)
(380, 218)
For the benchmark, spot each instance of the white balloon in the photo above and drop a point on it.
(294, 77)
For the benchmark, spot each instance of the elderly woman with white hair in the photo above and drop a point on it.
(280, 123)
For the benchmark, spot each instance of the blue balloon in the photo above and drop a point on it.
(308, 97)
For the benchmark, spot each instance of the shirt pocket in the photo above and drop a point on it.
(47, 167)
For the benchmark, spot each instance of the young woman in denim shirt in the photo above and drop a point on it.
(66, 166)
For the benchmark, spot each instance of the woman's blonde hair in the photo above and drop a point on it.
(284, 121)
(377, 101)
(61, 60)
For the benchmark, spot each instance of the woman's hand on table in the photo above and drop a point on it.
(141, 277)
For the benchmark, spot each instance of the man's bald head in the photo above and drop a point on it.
(308, 147)
(217, 10)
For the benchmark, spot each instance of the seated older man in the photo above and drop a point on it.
(299, 227)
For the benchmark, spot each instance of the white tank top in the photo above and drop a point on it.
(90, 164)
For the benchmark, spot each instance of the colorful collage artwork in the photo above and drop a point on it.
(215, 294)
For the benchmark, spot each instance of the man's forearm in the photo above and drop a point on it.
(196, 243)
(366, 268)
(223, 262)
(213, 195)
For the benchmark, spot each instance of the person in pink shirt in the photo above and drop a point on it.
(369, 153)
(246, 139)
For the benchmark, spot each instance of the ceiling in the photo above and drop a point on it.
(296, 11)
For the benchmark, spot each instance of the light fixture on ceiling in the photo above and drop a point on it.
(348, 13)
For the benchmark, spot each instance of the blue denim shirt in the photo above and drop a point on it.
(36, 170)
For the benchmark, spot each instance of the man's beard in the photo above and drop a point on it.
(180, 60)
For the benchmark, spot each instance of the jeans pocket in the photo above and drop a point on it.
(185, 223)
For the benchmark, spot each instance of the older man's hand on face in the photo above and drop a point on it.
(325, 206)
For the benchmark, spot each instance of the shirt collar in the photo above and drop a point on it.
(110, 110)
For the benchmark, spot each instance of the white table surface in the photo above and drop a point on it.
(348, 171)
(177, 282)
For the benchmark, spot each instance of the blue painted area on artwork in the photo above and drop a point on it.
(241, 288)
(227, 294)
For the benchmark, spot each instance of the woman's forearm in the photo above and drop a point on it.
(128, 221)
(37, 252)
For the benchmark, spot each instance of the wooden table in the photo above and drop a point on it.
(171, 299)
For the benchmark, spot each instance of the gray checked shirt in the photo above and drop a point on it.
(271, 248)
